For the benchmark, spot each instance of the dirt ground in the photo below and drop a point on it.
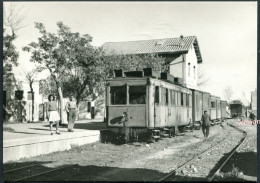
(243, 164)
(133, 162)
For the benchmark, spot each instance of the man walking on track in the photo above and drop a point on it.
(71, 108)
(205, 124)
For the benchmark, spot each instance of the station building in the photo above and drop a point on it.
(182, 54)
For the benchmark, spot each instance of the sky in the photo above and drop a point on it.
(226, 33)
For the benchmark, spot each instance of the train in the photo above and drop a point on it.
(237, 110)
(156, 104)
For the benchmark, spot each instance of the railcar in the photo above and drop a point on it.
(200, 103)
(237, 110)
(218, 109)
(152, 104)
(223, 106)
(214, 109)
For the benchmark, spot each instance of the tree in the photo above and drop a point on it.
(202, 79)
(60, 53)
(47, 86)
(131, 62)
(13, 21)
(31, 77)
(228, 92)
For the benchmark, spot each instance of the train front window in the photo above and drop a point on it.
(118, 95)
(137, 94)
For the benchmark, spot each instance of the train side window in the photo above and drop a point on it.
(166, 96)
(170, 97)
(157, 96)
(190, 100)
(137, 94)
(213, 104)
(162, 96)
(118, 95)
(182, 100)
(187, 100)
(173, 97)
(177, 98)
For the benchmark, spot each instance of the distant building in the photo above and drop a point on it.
(254, 101)
(17, 100)
(181, 53)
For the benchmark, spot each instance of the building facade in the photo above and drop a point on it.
(182, 54)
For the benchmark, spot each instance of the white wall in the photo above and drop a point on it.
(191, 81)
(176, 67)
(37, 100)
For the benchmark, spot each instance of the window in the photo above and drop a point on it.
(188, 69)
(178, 98)
(19, 94)
(213, 104)
(29, 95)
(182, 101)
(157, 96)
(190, 100)
(170, 96)
(137, 94)
(118, 95)
(194, 71)
(89, 106)
(166, 96)
(218, 104)
(173, 98)
(187, 100)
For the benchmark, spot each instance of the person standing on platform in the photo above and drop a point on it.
(71, 108)
(205, 124)
(52, 114)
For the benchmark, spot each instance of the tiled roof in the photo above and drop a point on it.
(157, 46)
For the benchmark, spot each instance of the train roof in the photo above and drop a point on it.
(215, 96)
(200, 91)
(145, 78)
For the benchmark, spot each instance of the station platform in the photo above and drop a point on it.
(24, 140)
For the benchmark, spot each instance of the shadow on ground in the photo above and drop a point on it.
(245, 162)
(45, 172)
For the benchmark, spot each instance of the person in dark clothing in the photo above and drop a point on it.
(124, 120)
(205, 124)
(252, 116)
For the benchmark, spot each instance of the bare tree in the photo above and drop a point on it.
(228, 92)
(13, 17)
(202, 78)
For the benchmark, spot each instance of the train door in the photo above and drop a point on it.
(167, 108)
(157, 101)
(163, 107)
(170, 109)
(173, 109)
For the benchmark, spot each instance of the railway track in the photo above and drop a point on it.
(38, 171)
(30, 172)
(173, 175)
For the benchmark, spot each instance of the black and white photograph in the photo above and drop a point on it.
(129, 91)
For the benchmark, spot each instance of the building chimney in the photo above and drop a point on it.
(181, 44)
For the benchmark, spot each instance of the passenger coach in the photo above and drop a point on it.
(150, 103)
